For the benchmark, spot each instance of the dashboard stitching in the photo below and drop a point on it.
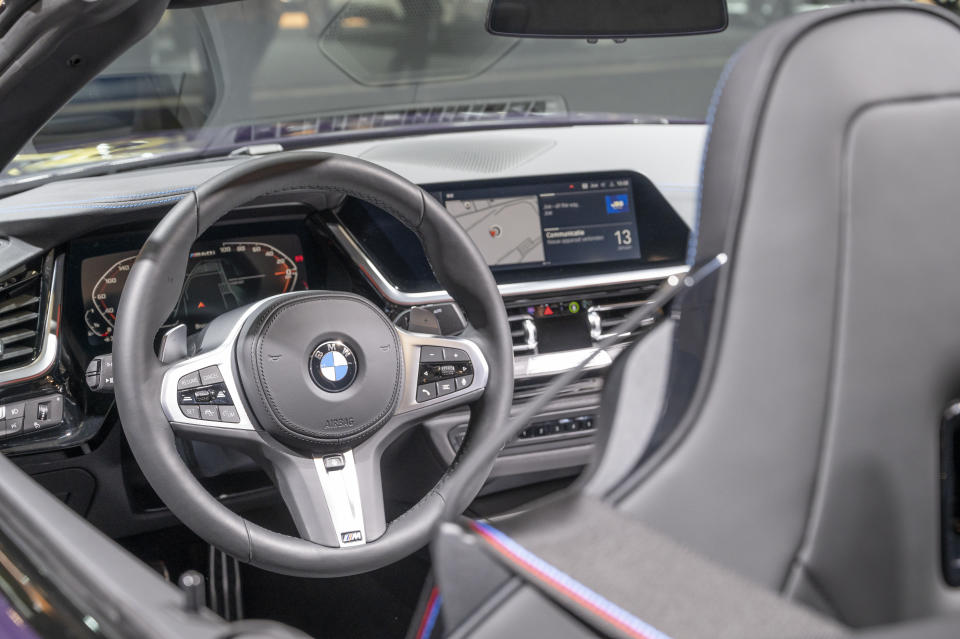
(131, 196)
(129, 205)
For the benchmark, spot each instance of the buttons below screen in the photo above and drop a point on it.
(557, 427)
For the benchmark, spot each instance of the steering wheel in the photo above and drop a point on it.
(315, 385)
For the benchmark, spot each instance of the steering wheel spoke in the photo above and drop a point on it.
(440, 373)
(202, 393)
(334, 499)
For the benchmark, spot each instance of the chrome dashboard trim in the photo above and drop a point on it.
(402, 298)
(50, 348)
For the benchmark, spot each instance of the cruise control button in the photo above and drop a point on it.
(455, 355)
(426, 392)
(431, 354)
(203, 395)
(193, 412)
(210, 413)
(185, 397)
(189, 381)
(446, 387)
(210, 375)
(221, 396)
(464, 382)
(229, 414)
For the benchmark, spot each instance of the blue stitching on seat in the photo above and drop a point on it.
(127, 205)
(711, 115)
(567, 582)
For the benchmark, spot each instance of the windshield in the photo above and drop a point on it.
(207, 81)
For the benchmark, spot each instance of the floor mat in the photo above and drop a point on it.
(376, 605)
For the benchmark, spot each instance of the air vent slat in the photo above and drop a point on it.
(16, 336)
(606, 315)
(21, 315)
(524, 333)
(17, 352)
(19, 318)
(20, 301)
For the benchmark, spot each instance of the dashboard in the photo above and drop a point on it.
(221, 275)
(572, 252)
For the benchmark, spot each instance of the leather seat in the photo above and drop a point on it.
(771, 466)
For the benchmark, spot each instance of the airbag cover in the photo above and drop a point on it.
(281, 344)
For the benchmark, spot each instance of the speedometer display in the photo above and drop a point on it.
(221, 275)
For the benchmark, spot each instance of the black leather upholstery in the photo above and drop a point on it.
(797, 444)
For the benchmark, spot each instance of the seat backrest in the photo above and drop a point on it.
(809, 377)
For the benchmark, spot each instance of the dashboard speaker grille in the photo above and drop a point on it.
(21, 315)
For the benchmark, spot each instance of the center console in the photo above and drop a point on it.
(572, 255)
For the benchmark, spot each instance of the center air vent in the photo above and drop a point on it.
(21, 315)
(606, 314)
(524, 333)
(603, 313)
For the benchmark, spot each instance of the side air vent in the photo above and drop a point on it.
(524, 333)
(21, 315)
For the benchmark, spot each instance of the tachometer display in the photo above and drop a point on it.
(220, 276)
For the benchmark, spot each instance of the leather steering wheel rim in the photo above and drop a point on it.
(153, 289)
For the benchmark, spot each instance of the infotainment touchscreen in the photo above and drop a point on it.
(550, 223)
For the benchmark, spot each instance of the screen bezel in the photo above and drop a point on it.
(396, 252)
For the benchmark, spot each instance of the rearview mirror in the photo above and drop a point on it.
(605, 18)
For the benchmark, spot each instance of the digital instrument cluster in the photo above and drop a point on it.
(221, 275)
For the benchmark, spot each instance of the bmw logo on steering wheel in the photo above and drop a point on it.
(333, 366)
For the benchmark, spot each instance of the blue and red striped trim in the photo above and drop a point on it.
(595, 603)
(430, 614)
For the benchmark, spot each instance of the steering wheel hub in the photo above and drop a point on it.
(321, 371)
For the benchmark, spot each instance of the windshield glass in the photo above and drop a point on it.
(209, 80)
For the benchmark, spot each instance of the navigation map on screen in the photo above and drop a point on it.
(549, 224)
